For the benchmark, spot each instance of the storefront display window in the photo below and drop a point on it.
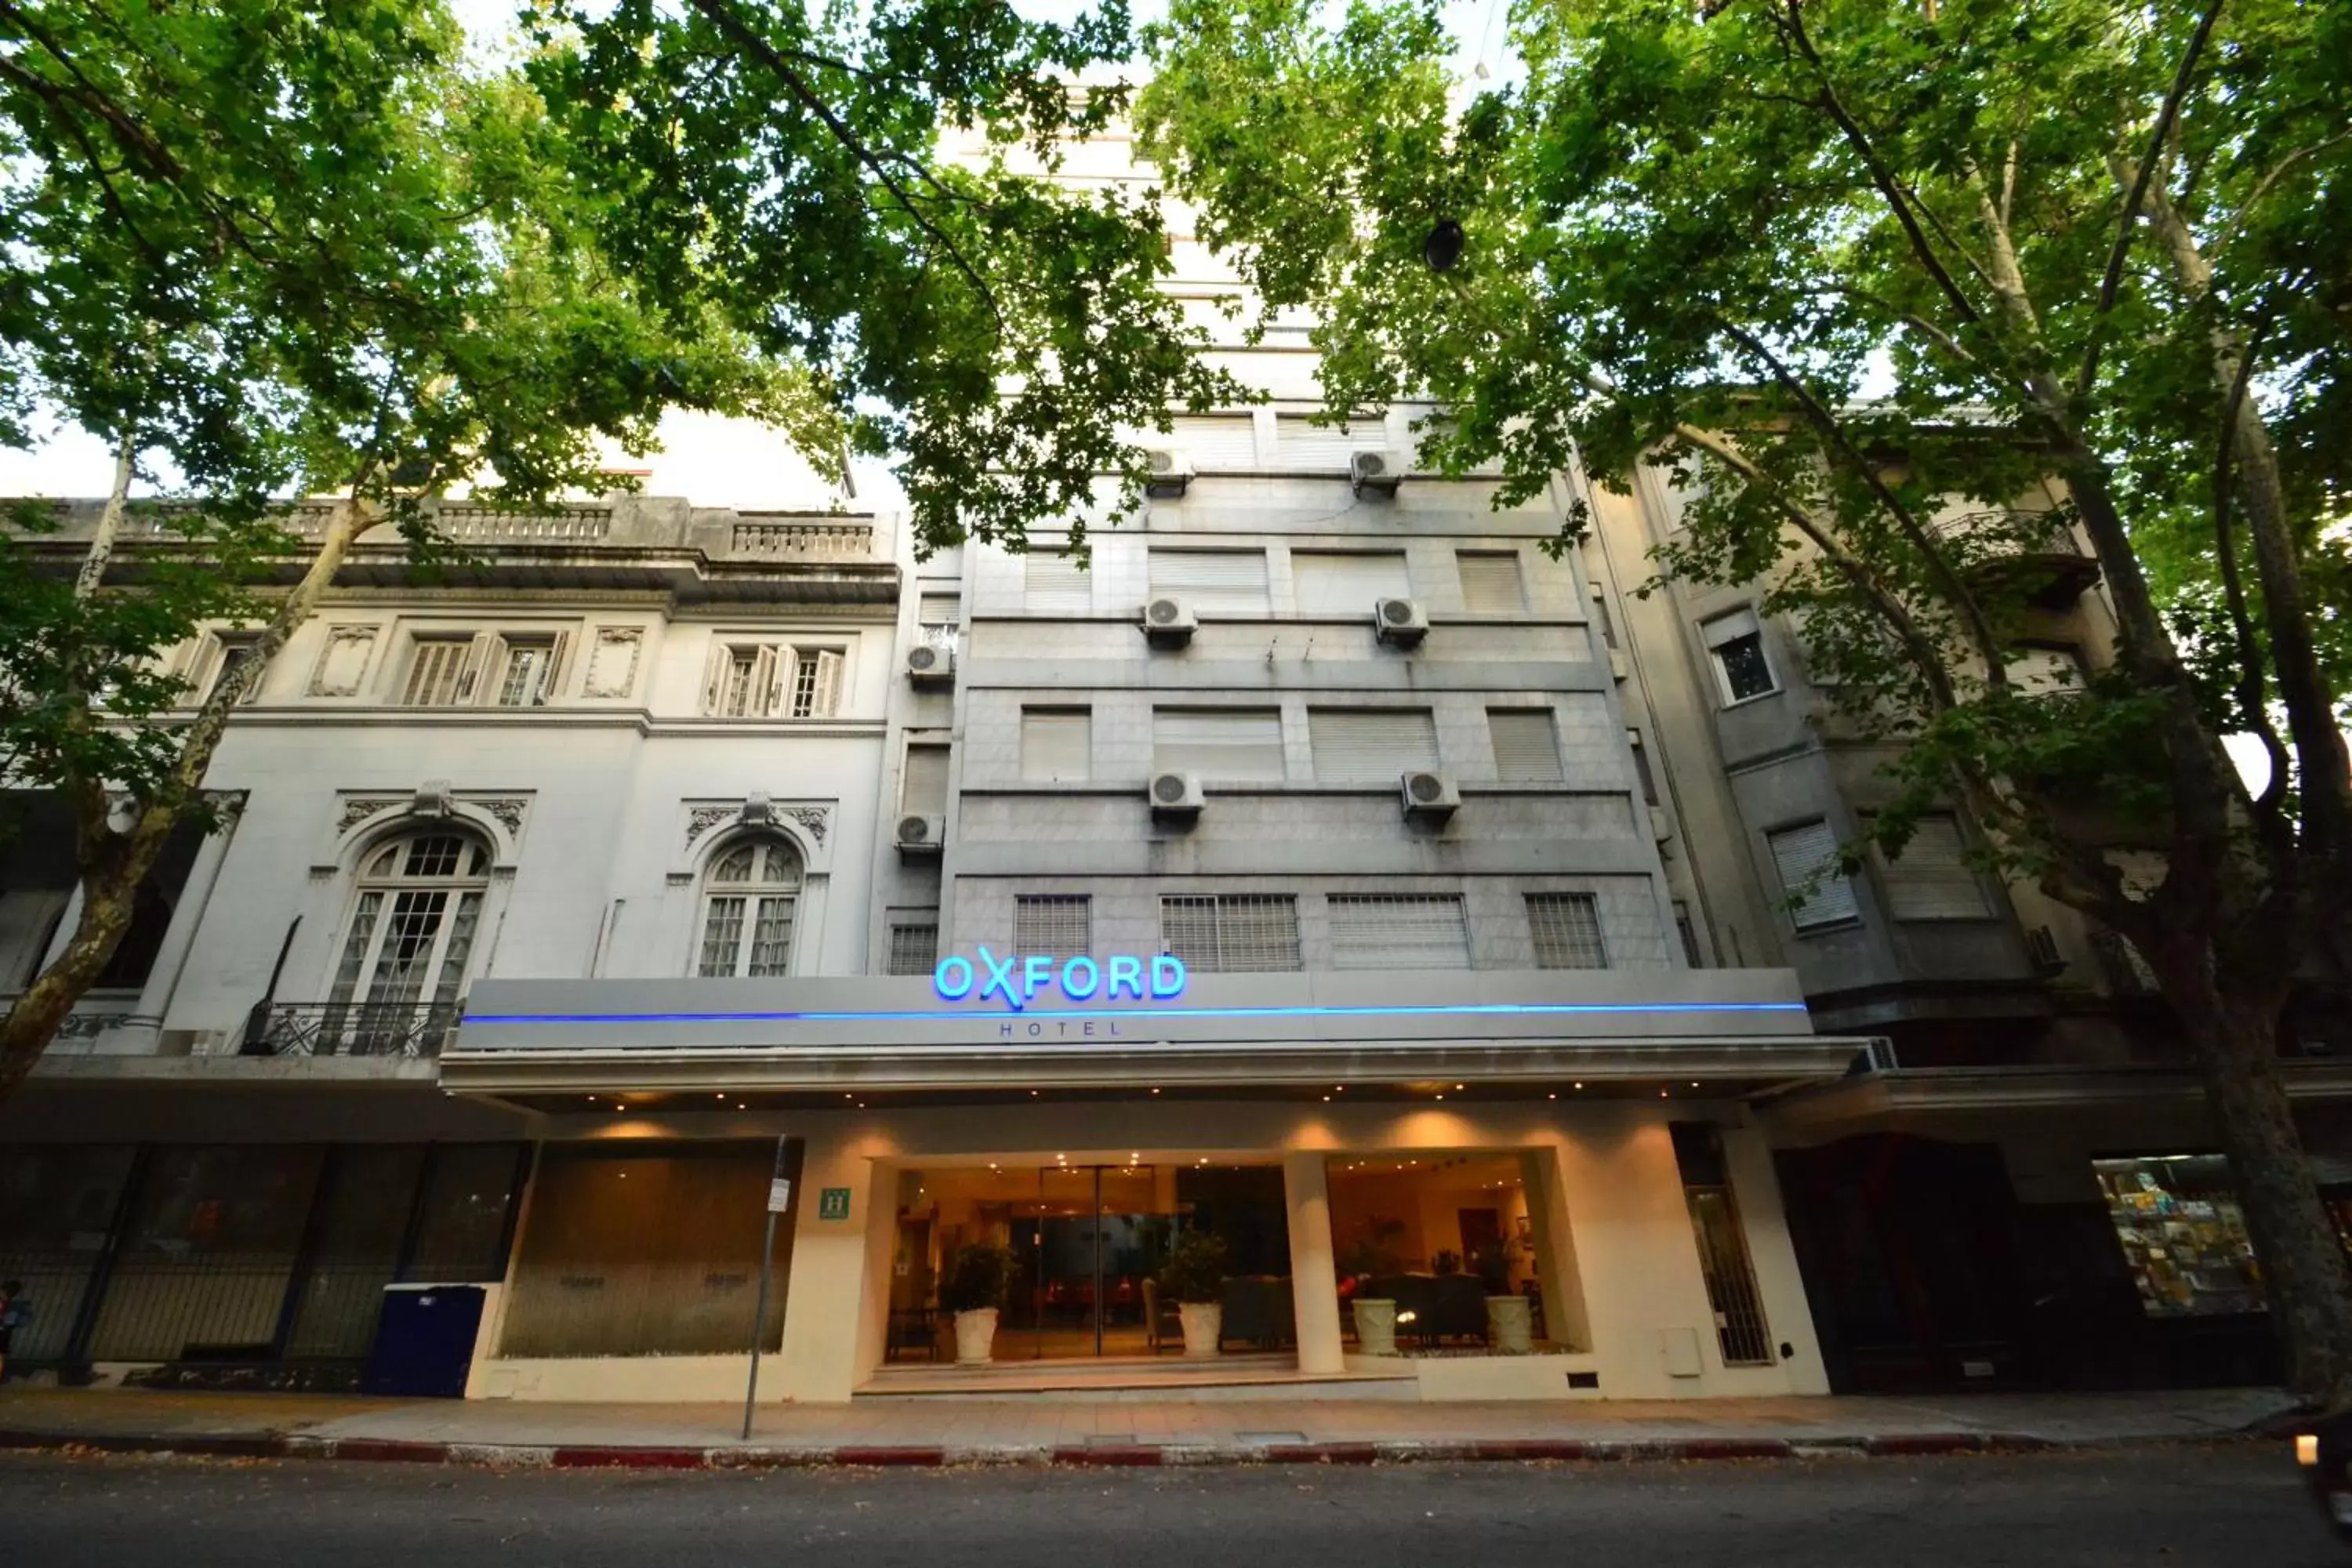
(2183, 1235)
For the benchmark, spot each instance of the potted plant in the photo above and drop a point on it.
(1510, 1319)
(1194, 1276)
(1371, 1256)
(973, 1289)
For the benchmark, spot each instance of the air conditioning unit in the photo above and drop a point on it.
(1169, 621)
(928, 664)
(1375, 468)
(1170, 472)
(1400, 621)
(922, 835)
(2042, 947)
(1431, 796)
(1177, 795)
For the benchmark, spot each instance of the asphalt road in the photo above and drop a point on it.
(2238, 1506)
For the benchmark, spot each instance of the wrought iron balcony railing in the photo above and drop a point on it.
(348, 1028)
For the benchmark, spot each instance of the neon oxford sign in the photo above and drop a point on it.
(1019, 978)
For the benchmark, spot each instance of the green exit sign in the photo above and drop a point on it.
(833, 1203)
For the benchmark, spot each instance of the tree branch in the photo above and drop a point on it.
(2251, 688)
(2277, 172)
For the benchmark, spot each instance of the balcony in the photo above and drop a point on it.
(2033, 553)
(348, 1028)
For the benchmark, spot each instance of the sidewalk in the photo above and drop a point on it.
(1042, 1431)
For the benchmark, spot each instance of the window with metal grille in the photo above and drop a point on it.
(1212, 579)
(1399, 931)
(440, 673)
(1239, 743)
(1348, 582)
(1055, 584)
(1056, 743)
(748, 897)
(923, 788)
(1736, 643)
(1527, 745)
(1932, 880)
(1231, 932)
(1370, 745)
(1057, 924)
(1491, 584)
(1566, 931)
(1807, 860)
(914, 946)
(1740, 1328)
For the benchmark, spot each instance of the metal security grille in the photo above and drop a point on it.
(1349, 582)
(1566, 931)
(1218, 743)
(1740, 1328)
(914, 947)
(1215, 443)
(1212, 579)
(1527, 745)
(1055, 584)
(1490, 583)
(1057, 924)
(1806, 858)
(1370, 745)
(1399, 931)
(1932, 880)
(1232, 932)
(1055, 743)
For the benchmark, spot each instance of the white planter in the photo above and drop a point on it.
(1510, 1325)
(1375, 1326)
(1203, 1321)
(975, 1336)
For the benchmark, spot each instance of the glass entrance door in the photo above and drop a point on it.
(1090, 1241)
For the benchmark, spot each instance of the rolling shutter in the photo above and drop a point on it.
(1490, 583)
(1215, 443)
(924, 790)
(1388, 931)
(1055, 743)
(1227, 743)
(1932, 880)
(1801, 854)
(1348, 582)
(1303, 446)
(1371, 745)
(1055, 584)
(1527, 745)
(1212, 579)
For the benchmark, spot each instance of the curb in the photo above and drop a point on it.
(1073, 1456)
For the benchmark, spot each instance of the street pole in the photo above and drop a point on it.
(780, 1199)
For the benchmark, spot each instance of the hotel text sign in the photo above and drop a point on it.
(1019, 980)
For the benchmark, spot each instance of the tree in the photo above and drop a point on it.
(376, 285)
(1847, 260)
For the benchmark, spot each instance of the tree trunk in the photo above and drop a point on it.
(32, 1018)
(2305, 1271)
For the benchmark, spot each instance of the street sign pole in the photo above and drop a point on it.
(780, 1199)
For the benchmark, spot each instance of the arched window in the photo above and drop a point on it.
(748, 899)
(414, 919)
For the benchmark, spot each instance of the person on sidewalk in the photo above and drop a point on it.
(14, 1311)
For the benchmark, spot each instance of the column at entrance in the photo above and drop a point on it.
(838, 1291)
(1314, 1277)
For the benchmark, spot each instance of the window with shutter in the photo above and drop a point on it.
(1806, 859)
(1055, 584)
(1348, 582)
(1527, 745)
(2038, 670)
(816, 682)
(1212, 579)
(1301, 445)
(923, 790)
(1213, 443)
(1566, 931)
(1231, 932)
(914, 946)
(1056, 743)
(1931, 880)
(1490, 583)
(438, 672)
(1218, 743)
(218, 656)
(1370, 745)
(940, 618)
(1055, 924)
(529, 667)
(1399, 931)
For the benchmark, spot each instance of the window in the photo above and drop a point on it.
(528, 678)
(440, 673)
(1642, 767)
(217, 656)
(1566, 931)
(923, 789)
(1055, 924)
(1301, 445)
(1212, 579)
(415, 916)
(1399, 931)
(2183, 1235)
(1218, 742)
(1741, 1331)
(1348, 582)
(1231, 932)
(939, 613)
(1490, 582)
(1932, 880)
(503, 670)
(2051, 670)
(1370, 745)
(773, 680)
(1056, 743)
(1806, 858)
(1216, 443)
(1056, 584)
(748, 897)
(1527, 745)
(1736, 643)
(914, 943)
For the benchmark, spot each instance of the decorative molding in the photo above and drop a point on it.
(432, 799)
(679, 879)
(89, 1025)
(508, 809)
(608, 675)
(359, 808)
(703, 818)
(754, 810)
(816, 818)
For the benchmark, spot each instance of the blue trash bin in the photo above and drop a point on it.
(424, 1341)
